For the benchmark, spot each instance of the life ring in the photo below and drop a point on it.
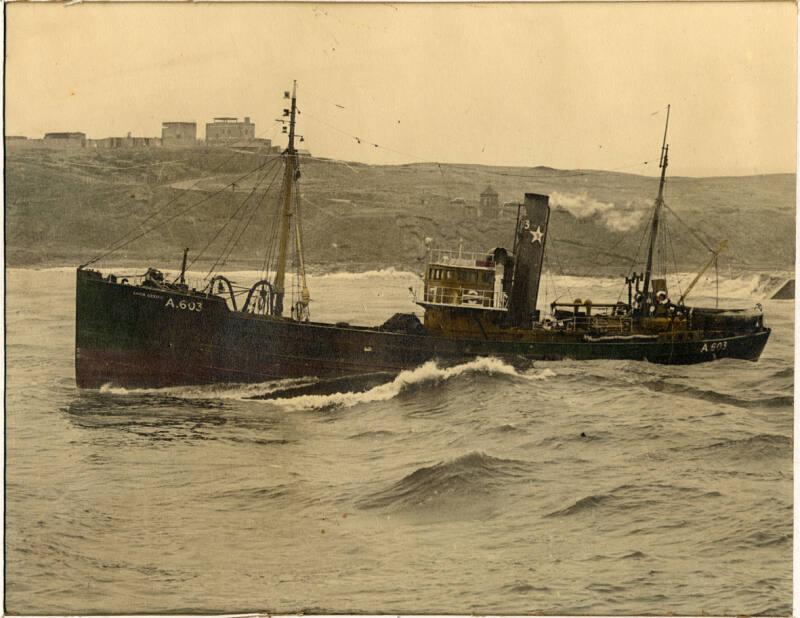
(661, 297)
(471, 297)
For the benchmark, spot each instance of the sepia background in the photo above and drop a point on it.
(594, 488)
(502, 84)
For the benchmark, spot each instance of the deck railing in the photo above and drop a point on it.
(464, 296)
(138, 279)
(472, 259)
(600, 323)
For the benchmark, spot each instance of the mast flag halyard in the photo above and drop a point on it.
(647, 301)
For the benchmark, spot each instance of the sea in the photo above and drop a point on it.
(601, 487)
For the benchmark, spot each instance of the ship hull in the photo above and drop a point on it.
(133, 336)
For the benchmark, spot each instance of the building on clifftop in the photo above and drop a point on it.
(490, 202)
(178, 134)
(226, 131)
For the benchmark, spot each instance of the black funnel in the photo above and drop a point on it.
(531, 237)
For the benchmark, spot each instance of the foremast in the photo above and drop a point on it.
(648, 295)
(289, 194)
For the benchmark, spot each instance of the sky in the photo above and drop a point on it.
(563, 85)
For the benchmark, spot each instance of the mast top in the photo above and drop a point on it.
(664, 159)
(664, 146)
(292, 113)
(648, 271)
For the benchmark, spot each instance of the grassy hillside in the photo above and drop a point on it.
(63, 208)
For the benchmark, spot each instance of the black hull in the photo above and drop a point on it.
(135, 336)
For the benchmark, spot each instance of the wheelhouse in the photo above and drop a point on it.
(469, 280)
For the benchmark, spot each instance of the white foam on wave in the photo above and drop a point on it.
(429, 372)
(384, 273)
(541, 375)
(741, 287)
(208, 391)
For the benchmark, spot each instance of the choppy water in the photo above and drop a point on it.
(579, 488)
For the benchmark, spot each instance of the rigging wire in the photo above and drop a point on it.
(360, 140)
(342, 162)
(689, 228)
(295, 293)
(675, 263)
(120, 245)
(232, 214)
(234, 239)
(662, 249)
(271, 232)
(300, 266)
(592, 248)
(170, 202)
(561, 270)
(618, 243)
(271, 240)
(549, 277)
(635, 257)
(231, 217)
(242, 221)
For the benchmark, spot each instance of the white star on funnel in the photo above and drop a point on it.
(537, 234)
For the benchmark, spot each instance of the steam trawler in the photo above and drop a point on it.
(152, 332)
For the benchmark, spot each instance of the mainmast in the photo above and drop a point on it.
(647, 296)
(291, 174)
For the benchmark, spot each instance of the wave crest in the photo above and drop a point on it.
(628, 497)
(465, 476)
(757, 447)
(428, 373)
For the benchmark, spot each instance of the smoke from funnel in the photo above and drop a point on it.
(615, 217)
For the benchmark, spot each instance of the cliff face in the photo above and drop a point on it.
(65, 207)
